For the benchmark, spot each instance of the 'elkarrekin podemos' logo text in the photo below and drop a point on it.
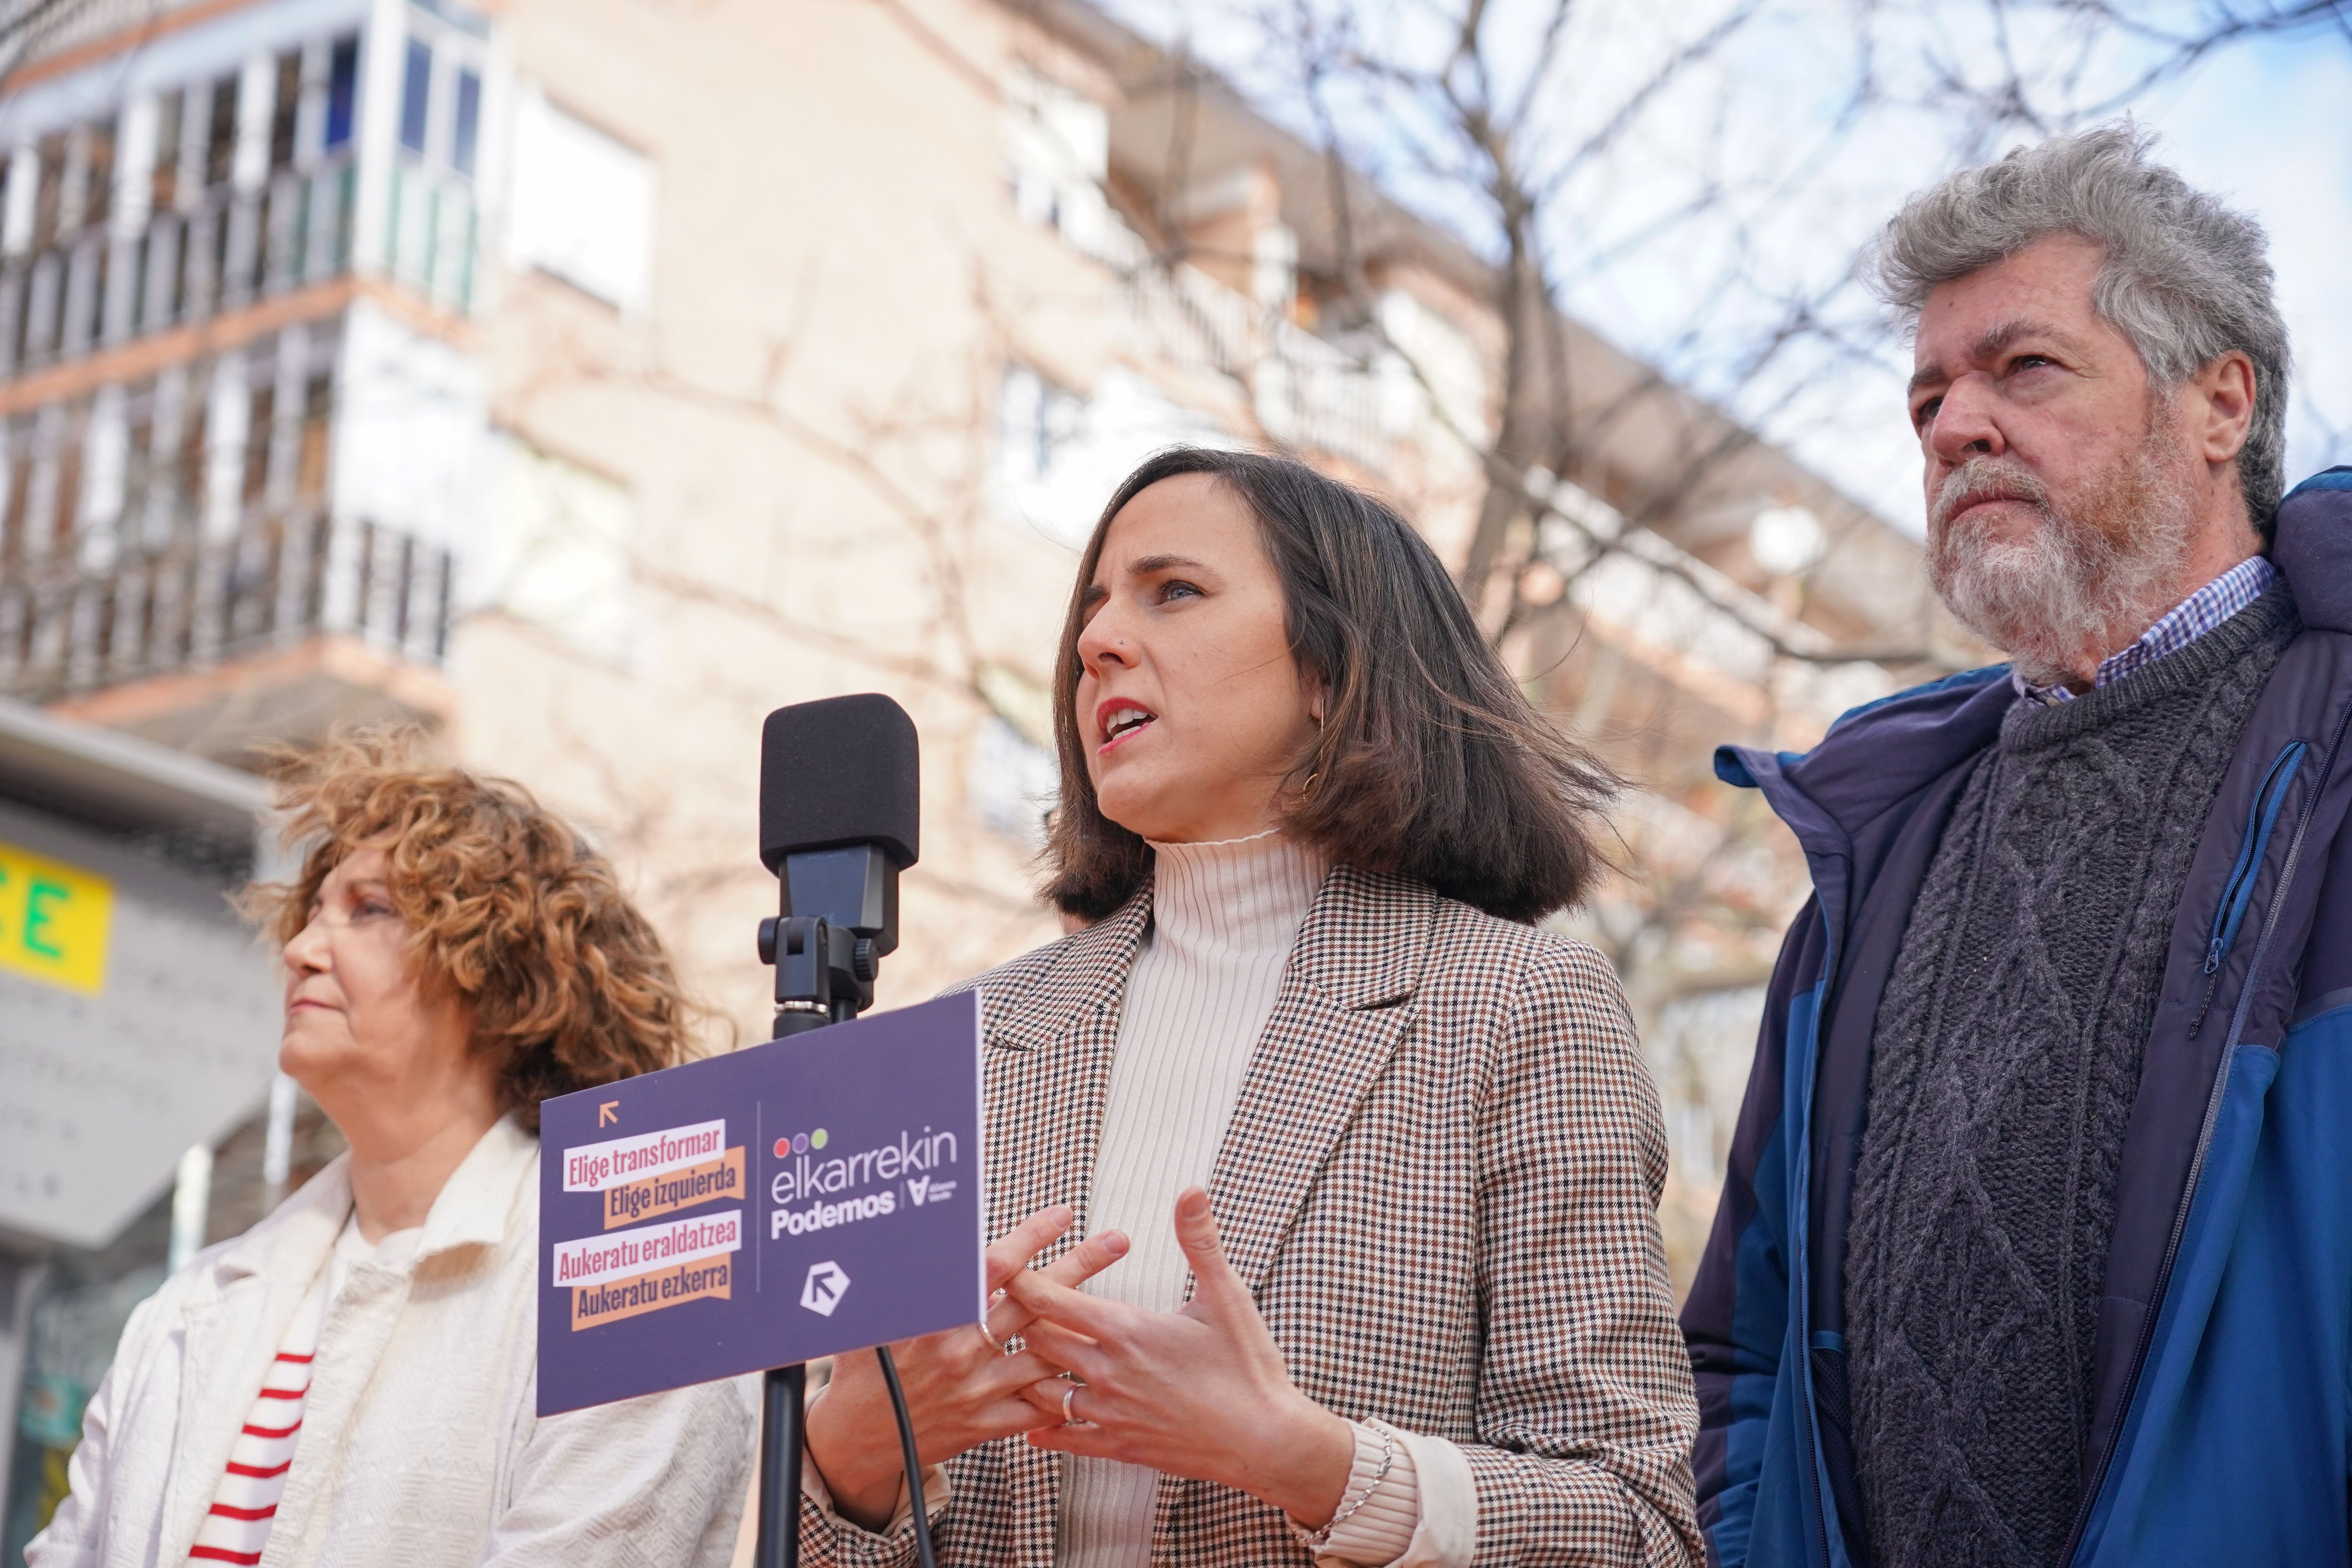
(816, 1191)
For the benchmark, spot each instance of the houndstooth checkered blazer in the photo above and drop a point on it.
(1441, 1181)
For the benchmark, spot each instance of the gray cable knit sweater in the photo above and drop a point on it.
(2004, 1061)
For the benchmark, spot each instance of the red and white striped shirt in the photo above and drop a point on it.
(245, 1504)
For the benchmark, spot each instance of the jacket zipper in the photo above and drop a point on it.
(1804, 1304)
(2099, 1478)
(2261, 815)
(1813, 1470)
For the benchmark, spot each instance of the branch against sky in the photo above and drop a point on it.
(1695, 170)
(1568, 143)
(2065, 63)
(1701, 183)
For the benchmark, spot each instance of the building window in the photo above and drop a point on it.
(220, 133)
(562, 559)
(1037, 421)
(431, 240)
(342, 89)
(284, 109)
(48, 194)
(163, 175)
(469, 122)
(18, 465)
(311, 454)
(581, 206)
(185, 482)
(1443, 367)
(1013, 781)
(441, 97)
(1060, 455)
(1057, 154)
(97, 173)
(417, 96)
(69, 448)
(443, 64)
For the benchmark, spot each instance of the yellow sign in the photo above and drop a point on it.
(55, 919)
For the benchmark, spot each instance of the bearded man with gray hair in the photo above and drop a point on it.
(2036, 1243)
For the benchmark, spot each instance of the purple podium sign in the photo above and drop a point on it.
(788, 1201)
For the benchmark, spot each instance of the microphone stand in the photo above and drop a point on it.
(824, 974)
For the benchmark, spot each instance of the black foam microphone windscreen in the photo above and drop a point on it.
(844, 770)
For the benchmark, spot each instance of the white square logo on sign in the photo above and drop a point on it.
(825, 1285)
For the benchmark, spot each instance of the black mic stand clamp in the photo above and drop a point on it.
(825, 973)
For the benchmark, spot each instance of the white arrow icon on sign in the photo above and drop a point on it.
(822, 1292)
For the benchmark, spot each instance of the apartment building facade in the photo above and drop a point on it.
(583, 379)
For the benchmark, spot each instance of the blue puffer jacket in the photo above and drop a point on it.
(2222, 1363)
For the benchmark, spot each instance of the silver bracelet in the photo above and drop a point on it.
(1322, 1537)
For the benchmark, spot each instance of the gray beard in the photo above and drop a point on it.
(2086, 576)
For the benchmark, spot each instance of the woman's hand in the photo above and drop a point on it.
(961, 1390)
(1199, 1392)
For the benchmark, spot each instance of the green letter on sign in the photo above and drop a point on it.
(37, 916)
(54, 920)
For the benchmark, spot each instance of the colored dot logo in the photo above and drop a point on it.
(799, 1142)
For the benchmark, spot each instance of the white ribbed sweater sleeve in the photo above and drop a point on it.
(1423, 1513)
(1224, 917)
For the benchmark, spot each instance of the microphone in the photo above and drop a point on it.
(840, 790)
(840, 793)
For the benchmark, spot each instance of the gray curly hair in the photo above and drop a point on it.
(2186, 278)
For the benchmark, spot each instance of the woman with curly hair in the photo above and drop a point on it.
(353, 1381)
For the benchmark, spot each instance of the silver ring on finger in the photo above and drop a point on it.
(1001, 1346)
(1069, 1416)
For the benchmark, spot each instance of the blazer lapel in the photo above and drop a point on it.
(1048, 1067)
(1049, 1071)
(1345, 1001)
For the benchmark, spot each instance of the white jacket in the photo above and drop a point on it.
(420, 1446)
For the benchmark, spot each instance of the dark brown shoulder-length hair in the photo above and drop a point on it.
(1431, 762)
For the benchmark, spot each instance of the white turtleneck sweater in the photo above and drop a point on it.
(1224, 918)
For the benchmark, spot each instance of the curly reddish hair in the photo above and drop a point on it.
(568, 984)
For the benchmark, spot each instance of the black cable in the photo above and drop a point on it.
(914, 1460)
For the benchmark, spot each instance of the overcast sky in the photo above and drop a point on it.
(2266, 124)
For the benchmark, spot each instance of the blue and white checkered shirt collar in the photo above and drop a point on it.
(2181, 625)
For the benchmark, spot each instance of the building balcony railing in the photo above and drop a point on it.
(233, 247)
(69, 626)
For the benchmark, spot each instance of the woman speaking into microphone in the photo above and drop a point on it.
(1367, 1164)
